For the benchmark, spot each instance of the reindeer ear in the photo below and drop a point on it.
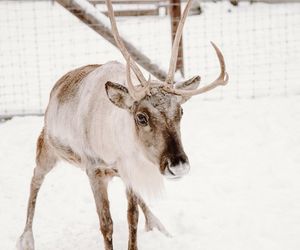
(119, 95)
(189, 84)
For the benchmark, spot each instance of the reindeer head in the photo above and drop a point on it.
(155, 106)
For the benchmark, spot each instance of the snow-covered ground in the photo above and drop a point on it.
(243, 191)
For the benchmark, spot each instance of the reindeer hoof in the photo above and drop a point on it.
(26, 241)
(153, 222)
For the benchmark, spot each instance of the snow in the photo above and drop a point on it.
(243, 191)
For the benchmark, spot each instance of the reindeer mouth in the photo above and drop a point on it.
(176, 172)
(169, 174)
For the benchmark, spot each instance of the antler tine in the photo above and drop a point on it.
(223, 73)
(221, 80)
(173, 60)
(121, 45)
(135, 94)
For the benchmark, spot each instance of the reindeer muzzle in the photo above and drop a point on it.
(175, 167)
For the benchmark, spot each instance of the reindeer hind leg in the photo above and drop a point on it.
(45, 161)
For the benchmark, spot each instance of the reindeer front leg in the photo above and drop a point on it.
(99, 181)
(132, 217)
(151, 221)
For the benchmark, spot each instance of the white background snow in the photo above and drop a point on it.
(243, 191)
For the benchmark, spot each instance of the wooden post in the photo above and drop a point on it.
(175, 14)
(234, 2)
(93, 18)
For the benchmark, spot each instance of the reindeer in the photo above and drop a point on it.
(111, 122)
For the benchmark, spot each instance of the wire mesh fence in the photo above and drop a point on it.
(40, 41)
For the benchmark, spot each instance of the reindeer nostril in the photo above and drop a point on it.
(169, 163)
(165, 165)
(171, 172)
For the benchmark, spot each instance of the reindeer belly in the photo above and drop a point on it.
(73, 143)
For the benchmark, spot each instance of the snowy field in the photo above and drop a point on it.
(243, 192)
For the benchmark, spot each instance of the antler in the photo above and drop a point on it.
(221, 80)
(169, 82)
(168, 86)
(174, 55)
(135, 93)
(121, 45)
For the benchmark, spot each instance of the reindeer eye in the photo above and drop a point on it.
(142, 119)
